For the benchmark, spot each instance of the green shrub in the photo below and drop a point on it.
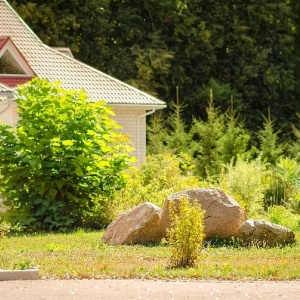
(62, 156)
(245, 180)
(282, 216)
(284, 178)
(161, 175)
(186, 234)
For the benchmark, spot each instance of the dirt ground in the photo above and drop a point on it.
(147, 289)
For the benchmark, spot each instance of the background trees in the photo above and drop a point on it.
(248, 49)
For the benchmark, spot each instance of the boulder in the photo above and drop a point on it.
(136, 226)
(263, 233)
(223, 215)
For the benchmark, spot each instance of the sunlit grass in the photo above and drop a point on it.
(83, 255)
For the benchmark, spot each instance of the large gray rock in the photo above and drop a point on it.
(136, 226)
(263, 233)
(223, 215)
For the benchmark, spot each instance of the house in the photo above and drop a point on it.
(24, 56)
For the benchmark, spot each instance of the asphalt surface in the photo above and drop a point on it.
(147, 289)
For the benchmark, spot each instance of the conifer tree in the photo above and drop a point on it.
(295, 147)
(235, 140)
(269, 146)
(207, 135)
(156, 134)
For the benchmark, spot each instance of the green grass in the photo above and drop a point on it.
(83, 255)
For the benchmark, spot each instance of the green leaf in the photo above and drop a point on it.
(39, 148)
(59, 183)
(33, 131)
(53, 192)
(78, 171)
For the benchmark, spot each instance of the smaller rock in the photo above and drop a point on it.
(137, 226)
(263, 233)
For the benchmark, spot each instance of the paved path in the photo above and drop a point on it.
(147, 289)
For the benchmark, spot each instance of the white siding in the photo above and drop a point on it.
(6, 112)
(133, 122)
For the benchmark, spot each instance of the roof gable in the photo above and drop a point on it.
(54, 65)
(12, 61)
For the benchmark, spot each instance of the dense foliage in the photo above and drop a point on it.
(63, 161)
(246, 49)
(224, 155)
(147, 184)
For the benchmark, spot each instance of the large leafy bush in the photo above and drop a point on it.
(63, 157)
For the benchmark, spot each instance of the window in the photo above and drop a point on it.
(9, 65)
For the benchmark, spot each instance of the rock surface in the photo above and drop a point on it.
(223, 215)
(136, 226)
(263, 233)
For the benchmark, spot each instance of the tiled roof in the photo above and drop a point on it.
(5, 88)
(3, 40)
(64, 50)
(53, 65)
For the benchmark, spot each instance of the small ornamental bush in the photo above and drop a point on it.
(186, 233)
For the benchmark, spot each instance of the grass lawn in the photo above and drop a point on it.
(83, 255)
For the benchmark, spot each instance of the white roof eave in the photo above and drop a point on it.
(144, 106)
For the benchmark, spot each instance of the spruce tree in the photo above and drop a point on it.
(269, 146)
(207, 135)
(235, 140)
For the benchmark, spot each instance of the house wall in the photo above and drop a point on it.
(9, 116)
(133, 122)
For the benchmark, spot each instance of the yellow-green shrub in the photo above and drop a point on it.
(280, 215)
(245, 181)
(186, 233)
(161, 175)
(284, 179)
